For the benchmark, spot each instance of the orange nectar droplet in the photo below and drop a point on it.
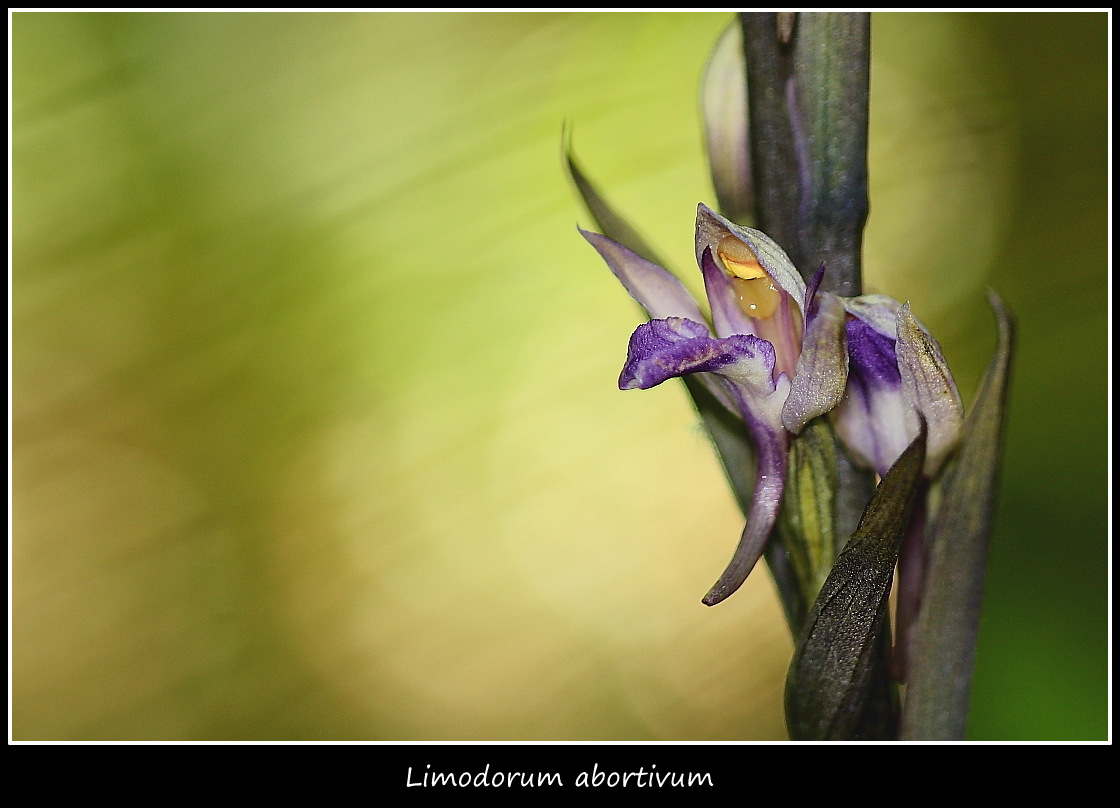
(758, 296)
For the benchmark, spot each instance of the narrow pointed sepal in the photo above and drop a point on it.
(606, 218)
(656, 290)
(945, 633)
(836, 679)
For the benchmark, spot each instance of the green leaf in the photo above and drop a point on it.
(945, 633)
(837, 687)
(807, 520)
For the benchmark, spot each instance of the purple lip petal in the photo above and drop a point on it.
(665, 349)
(662, 349)
(656, 290)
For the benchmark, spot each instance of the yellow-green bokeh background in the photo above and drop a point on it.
(315, 432)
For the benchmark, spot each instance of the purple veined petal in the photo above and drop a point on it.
(878, 311)
(872, 353)
(657, 290)
(809, 305)
(659, 293)
(872, 420)
(665, 349)
(928, 387)
(727, 317)
(711, 228)
(822, 369)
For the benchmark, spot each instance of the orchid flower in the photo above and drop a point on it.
(783, 354)
(800, 381)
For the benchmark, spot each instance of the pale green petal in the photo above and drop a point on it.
(723, 106)
(929, 388)
(822, 368)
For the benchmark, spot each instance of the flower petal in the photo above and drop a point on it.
(929, 388)
(878, 311)
(822, 369)
(662, 349)
(872, 420)
(723, 104)
(772, 292)
(771, 447)
(656, 290)
(665, 349)
(727, 316)
(711, 228)
(872, 353)
(659, 293)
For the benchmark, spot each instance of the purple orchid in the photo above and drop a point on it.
(798, 385)
(783, 354)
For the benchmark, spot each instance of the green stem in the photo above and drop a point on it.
(808, 102)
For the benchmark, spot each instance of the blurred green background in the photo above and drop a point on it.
(315, 430)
